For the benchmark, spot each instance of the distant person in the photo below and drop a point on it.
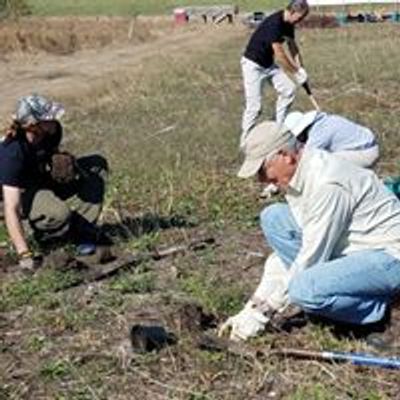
(336, 134)
(60, 197)
(258, 63)
(336, 242)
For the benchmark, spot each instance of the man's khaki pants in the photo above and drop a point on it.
(51, 213)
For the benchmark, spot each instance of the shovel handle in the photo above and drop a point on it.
(307, 88)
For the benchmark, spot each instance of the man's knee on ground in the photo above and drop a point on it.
(270, 217)
(52, 220)
(304, 293)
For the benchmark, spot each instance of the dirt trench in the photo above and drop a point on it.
(72, 57)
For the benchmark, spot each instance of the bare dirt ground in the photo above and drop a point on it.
(69, 58)
(63, 338)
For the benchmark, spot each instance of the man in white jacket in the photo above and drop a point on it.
(336, 243)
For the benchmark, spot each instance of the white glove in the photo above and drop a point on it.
(27, 263)
(301, 76)
(271, 296)
(246, 324)
(269, 191)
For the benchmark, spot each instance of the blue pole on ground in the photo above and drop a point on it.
(361, 359)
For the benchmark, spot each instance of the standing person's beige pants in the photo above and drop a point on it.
(254, 79)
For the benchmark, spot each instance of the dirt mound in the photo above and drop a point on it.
(320, 21)
(69, 34)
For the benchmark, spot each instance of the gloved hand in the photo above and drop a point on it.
(246, 324)
(269, 191)
(301, 76)
(27, 262)
(63, 167)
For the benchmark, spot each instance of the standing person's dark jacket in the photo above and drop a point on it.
(273, 29)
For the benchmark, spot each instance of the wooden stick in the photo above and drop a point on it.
(92, 273)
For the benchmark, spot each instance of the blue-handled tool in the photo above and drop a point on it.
(368, 360)
(241, 349)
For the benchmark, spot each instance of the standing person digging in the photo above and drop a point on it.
(59, 196)
(336, 134)
(336, 243)
(266, 46)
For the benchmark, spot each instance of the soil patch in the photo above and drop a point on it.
(68, 34)
(320, 21)
(71, 58)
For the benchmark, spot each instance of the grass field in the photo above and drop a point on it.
(133, 7)
(170, 131)
(158, 7)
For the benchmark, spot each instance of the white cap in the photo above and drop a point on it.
(297, 121)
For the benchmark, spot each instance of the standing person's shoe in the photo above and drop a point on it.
(85, 249)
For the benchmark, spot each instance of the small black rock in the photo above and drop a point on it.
(148, 338)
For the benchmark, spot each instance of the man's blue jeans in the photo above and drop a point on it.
(356, 288)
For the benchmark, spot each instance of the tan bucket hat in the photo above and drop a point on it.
(263, 141)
